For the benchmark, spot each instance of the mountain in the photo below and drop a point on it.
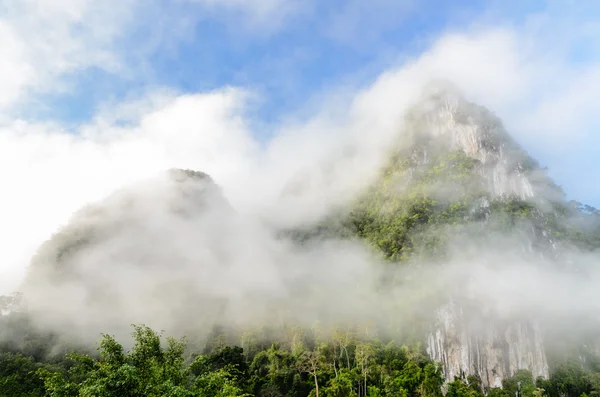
(458, 182)
(181, 194)
(458, 201)
(129, 255)
(459, 193)
(459, 166)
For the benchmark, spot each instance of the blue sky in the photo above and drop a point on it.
(321, 46)
(96, 94)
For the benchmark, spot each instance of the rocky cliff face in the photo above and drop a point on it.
(487, 349)
(445, 121)
(457, 175)
(473, 343)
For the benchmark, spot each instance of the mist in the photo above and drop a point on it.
(180, 253)
(190, 261)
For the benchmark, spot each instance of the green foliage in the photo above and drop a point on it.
(522, 382)
(343, 366)
(413, 210)
(148, 369)
(426, 196)
(567, 379)
(405, 212)
(459, 388)
(570, 379)
(19, 377)
(432, 381)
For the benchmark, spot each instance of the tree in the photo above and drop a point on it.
(218, 383)
(364, 355)
(343, 340)
(521, 382)
(18, 376)
(458, 388)
(341, 385)
(432, 381)
(309, 362)
(147, 369)
(410, 378)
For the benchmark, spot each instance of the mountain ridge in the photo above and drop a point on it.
(463, 175)
(456, 187)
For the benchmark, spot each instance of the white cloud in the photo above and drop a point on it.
(43, 41)
(47, 173)
(45, 44)
(545, 98)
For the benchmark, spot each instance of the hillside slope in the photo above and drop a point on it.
(130, 256)
(460, 189)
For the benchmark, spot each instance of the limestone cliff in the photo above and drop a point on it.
(457, 172)
(472, 343)
(446, 121)
(487, 349)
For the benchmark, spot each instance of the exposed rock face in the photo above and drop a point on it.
(488, 349)
(477, 344)
(447, 122)
(457, 175)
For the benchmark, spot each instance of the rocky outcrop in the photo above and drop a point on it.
(449, 122)
(485, 348)
(470, 343)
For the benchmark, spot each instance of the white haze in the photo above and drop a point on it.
(309, 167)
(178, 257)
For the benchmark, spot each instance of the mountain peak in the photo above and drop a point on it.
(444, 121)
(130, 227)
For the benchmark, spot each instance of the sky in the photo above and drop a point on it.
(94, 95)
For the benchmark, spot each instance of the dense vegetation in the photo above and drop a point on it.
(416, 209)
(344, 365)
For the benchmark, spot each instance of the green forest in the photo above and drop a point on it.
(343, 365)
